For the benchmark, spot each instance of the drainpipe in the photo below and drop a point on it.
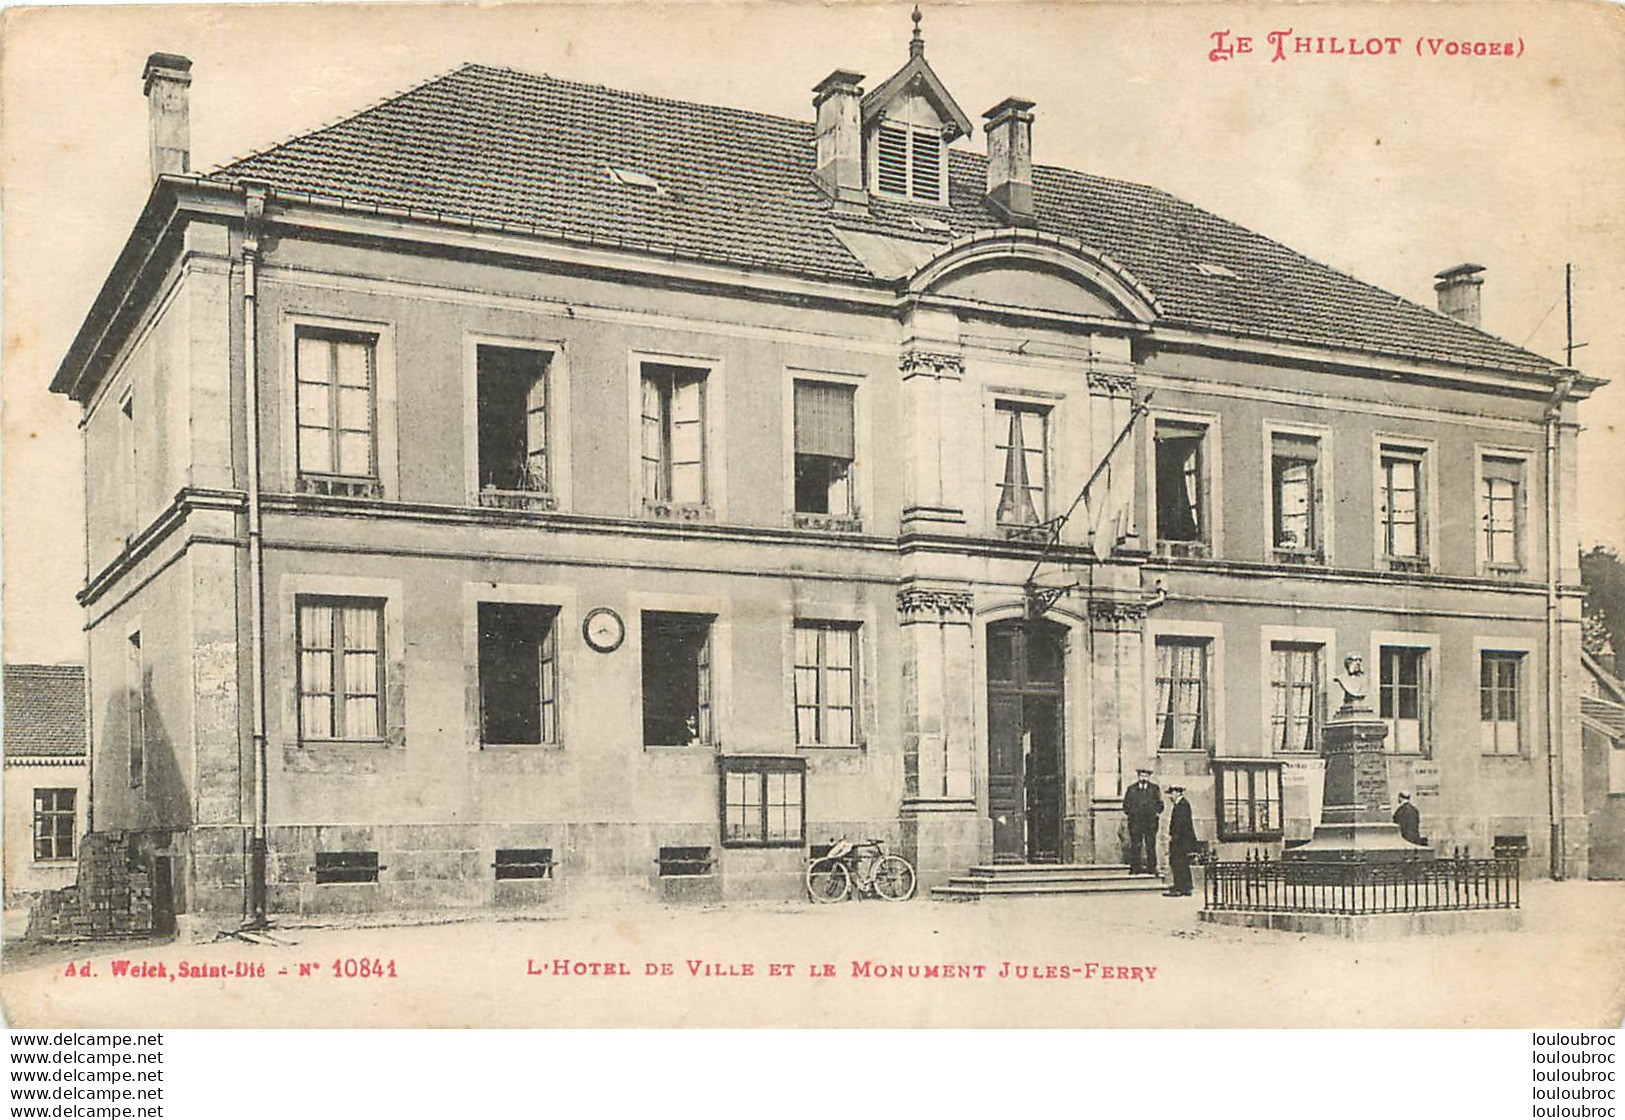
(253, 219)
(1554, 653)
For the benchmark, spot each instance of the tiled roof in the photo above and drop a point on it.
(45, 711)
(1608, 714)
(494, 145)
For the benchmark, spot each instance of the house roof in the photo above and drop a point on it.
(485, 144)
(1606, 686)
(44, 711)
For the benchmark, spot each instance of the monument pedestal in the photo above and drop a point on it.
(1356, 823)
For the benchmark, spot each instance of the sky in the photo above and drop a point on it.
(1389, 166)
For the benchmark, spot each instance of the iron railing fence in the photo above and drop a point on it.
(1408, 887)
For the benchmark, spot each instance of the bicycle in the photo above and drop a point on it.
(832, 876)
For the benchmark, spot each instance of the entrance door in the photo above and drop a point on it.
(163, 896)
(1026, 770)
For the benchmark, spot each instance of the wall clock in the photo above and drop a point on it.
(603, 629)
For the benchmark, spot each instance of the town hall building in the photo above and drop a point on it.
(523, 486)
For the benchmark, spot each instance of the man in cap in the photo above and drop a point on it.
(1409, 819)
(1142, 805)
(1182, 843)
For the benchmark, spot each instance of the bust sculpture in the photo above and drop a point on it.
(1352, 681)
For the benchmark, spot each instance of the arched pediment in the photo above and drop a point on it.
(1023, 270)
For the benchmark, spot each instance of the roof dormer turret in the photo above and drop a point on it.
(908, 123)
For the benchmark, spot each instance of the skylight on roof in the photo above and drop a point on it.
(1208, 268)
(929, 224)
(629, 178)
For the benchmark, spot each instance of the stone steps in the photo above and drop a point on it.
(1029, 879)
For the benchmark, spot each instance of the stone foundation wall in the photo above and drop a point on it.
(111, 898)
(452, 866)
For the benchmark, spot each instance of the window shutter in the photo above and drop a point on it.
(824, 420)
(891, 159)
(1507, 470)
(927, 160)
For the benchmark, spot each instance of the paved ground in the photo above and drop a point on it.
(1014, 962)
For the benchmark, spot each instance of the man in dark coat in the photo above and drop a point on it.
(1408, 819)
(1142, 805)
(1182, 843)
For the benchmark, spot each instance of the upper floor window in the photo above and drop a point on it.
(1403, 697)
(1296, 689)
(1295, 495)
(826, 448)
(56, 823)
(1021, 447)
(676, 679)
(512, 398)
(341, 668)
(909, 162)
(1500, 702)
(1181, 482)
(336, 400)
(1502, 512)
(673, 439)
(1182, 720)
(1400, 504)
(518, 670)
(826, 684)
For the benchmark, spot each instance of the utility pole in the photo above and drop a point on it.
(1568, 303)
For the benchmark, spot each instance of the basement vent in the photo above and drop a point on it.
(684, 861)
(524, 863)
(1511, 847)
(1208, 268)
(637, 179)
(347, 867)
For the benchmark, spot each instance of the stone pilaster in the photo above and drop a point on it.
(932, 390)
(1110, 504)
(1117, 723)
(940, 826)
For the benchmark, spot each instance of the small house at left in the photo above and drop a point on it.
(46, 777)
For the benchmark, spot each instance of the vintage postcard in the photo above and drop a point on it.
(995, 514)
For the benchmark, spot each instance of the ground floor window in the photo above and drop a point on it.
(1403, 698)
(341, 668)
(1295, 689)
(1249, 800)
(518, 674)
(676, 679)
(55, 823)
(825, 684)
(1182, 675)
(1500, 702)
(762, 802)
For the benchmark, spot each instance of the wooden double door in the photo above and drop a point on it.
(1026, 740)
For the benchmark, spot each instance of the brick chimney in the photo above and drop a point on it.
(1009, 131)
(1459, 292)
(165, 83)
(839, 131)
